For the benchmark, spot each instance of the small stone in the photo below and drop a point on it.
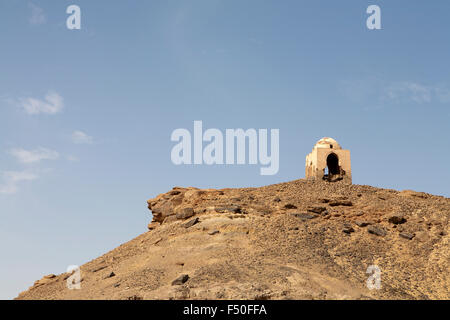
(362, 224)
(157, 241)
(348, 229)
(407, 235)
(213, 232)
(190, 223)
(180, 280)
(290, 206)
(318, 210)
(304, 216)
(376, 231)
(335, 203)
(277, 199)
(109, 275)
(233, 209)
(397, 219)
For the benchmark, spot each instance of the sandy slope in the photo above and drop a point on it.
(295, 240)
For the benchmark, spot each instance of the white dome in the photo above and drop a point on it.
(327, 143)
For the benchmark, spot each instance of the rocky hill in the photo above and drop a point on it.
(295, 240)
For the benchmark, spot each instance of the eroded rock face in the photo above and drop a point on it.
(164, 205)
(183, 203)
(173, 203)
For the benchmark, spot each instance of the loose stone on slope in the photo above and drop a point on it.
(397, 219)
(376, 231)
(362, 224)
(180, 280)
(348, 228)
(407, 235)
(334, 203)
(317, 209)
(303, 216)
(190, 223)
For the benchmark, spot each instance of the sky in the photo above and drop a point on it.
(86, 116)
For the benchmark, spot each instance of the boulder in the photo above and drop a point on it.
(397, 219)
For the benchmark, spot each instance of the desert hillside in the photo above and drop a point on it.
(294, 240)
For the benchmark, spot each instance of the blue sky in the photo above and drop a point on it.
(86, 115)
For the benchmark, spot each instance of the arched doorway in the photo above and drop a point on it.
(333, 164)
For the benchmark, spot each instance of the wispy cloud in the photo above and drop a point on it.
(52, 103)
(11, 180)
(409, 92)
(72, 158)
(359, 90)
(378, 92)
(33, 156)
(80, 137)
(37, 14)
(443, 93)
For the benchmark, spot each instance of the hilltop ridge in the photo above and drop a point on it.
(296, 240)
